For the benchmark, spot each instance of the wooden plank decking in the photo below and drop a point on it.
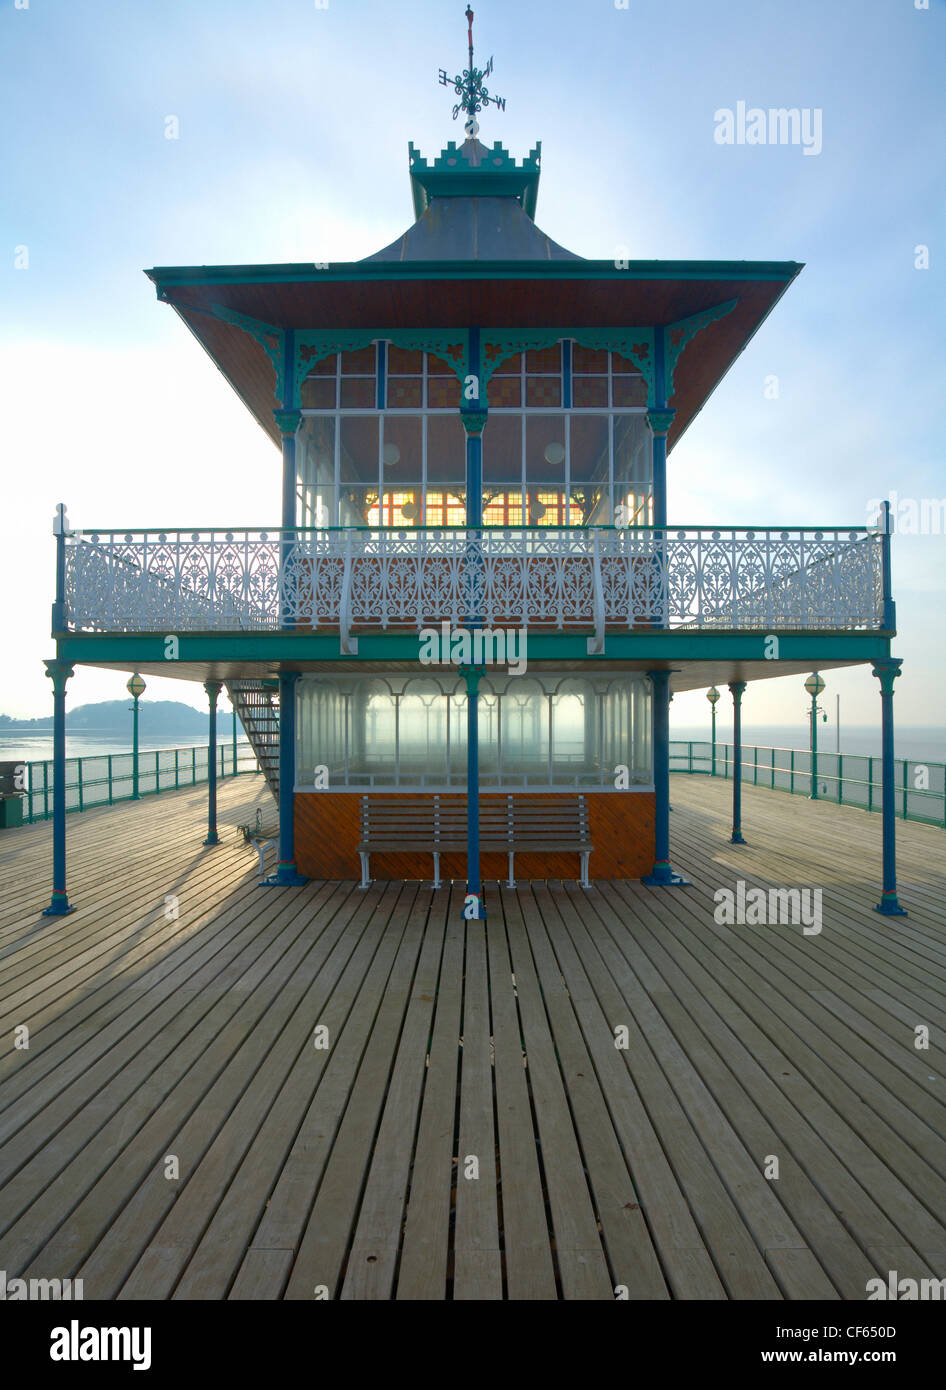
(469, 1129)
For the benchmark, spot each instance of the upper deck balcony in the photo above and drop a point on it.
(537, 578)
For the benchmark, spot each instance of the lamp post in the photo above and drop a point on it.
(136, 688)
(814, 685)
(713, 696)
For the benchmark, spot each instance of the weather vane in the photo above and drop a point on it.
(469, 87)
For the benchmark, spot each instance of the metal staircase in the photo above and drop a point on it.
(257, 704)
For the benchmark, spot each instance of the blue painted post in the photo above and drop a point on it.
(234, 741)
(59, 904)
(660, 421)
(287, 875)
(213, 690)
(288, 423)
(474, 906)
(663, 874)
(713, 696)
(135, 793)
(474, 421)
(737, 688)
(887, 672)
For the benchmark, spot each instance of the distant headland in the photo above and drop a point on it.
(166, 717)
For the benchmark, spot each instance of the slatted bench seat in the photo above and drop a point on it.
(540, 824)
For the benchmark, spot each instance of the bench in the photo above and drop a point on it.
(256, 836)
(435, 825)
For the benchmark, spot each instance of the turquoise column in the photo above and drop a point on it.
(135, 793)
(474, 907)
(59, 904)
(737, 688)
(474, 421)
(660, 419)
(663, 874)
(288, 423)
(887, 672)
(287, 875)
(213, 690)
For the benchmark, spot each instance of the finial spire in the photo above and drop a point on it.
(469, 87)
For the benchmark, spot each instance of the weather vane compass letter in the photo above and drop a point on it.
(469, 87)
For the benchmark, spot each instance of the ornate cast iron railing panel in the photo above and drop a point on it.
(539, 578)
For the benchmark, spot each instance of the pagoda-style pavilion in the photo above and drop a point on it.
(471, 589)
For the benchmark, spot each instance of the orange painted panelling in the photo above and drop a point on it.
(622, 832)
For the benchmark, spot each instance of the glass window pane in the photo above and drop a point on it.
(502, 448)
(589, 448)
(325, 367)
(447, 507)
(624, 364)
(509, 366)
(504, 392)
(502, 506)
(358, 392)
(315, 468)
(358, 506)
(590, 493)
(360, 362)
(629, 390)
(525, 732)
(443, 393)
(544, 359)
(404, 361)
(318, 393)
(588, 359)
(633, 466)
(401, 506)
(359, 449)
(438, 366)
(446, 449)
(402, 451)
(405, 391)
(543, 391)
(590, 505)
(545, 449)
(590, 391)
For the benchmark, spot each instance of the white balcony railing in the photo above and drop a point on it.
(539, 578)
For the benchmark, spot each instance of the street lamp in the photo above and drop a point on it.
(713, 696)
(136, 688)
(814, 685)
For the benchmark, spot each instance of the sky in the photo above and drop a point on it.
(294, 119)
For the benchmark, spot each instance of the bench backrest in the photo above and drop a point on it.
(514, 819)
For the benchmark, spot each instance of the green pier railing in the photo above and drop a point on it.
(849, 779)
(106, 778)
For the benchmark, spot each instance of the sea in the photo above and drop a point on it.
(925, 743)
(916, 743)
(37, 748)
